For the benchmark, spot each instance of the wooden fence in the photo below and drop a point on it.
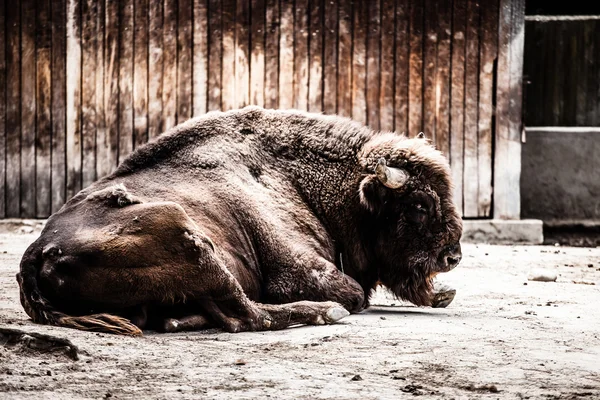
(85, 82)
(562, 71)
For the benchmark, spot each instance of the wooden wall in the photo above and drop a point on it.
(562, 71)
(85, 82)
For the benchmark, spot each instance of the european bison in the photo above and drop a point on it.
(251, 219)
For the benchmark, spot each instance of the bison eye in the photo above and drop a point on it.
(417, 213)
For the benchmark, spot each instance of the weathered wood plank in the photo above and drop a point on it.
(59, 98)
(89, 50)
(28, 80)
(272, 55)
(169, 99)
(430, 66)
(155, 68)
(442, 78)
(359, 62)
(184, 60)
(373, 71)
(401, 68)
(286, 55)
(228, 98)
(457, 116)
(242, 53)
(43, 119)
(507, 154)
(415, 78)
(13, 112)
(140, 73)
(315, 78)
(488, 52)
(388, 53)
(73, 97)
(471, 171)
(344, 82)
(512, 170)
(101, 146)
(301, 55)
(330, 57)
(126, 78)
(215, 37)
(3, 97)
(200, 58)
(107, 140)
(257, 60)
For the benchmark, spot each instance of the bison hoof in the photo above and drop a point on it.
(171, 325)
(442, 295)
(335, 314)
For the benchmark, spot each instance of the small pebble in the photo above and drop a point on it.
(356, 378)
(541, 275)
(382, 317)
(240, 362)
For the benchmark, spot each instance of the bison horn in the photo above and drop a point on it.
(393, 178)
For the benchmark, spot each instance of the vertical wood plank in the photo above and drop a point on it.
(330, 57)
(401, 70)
(471, 170)
(101, 91)
(512, 179)
(155, 68)
(73, 97)
(301, 55)
(169, 99)
(89, 67)
(272, 55)
(344, 79)
(388, 50)
(126, 78)
(13, 111)
(373, 71)
(242, 53)
(257, 61)
(200, 58)
(184, 60)
(3, 51)
(507, 154)
(430, 67)
(286, 54)
(28, 108)
(108, 140)
(59, 98)
(359, 62)
(457, 121)
(228, 94)
(415, 79)
(442, 88)
(488, 52)
(592, 111)
(315, 78)
(214, 54)
(43, 143)
(140, 73)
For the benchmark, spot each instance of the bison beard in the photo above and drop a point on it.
(244, 220)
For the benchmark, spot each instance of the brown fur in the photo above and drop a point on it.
(231, 211)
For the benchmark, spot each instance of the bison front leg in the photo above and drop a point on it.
(315, 279)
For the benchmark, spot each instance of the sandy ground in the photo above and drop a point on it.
(502, 338)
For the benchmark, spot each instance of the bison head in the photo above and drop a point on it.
(411, 223)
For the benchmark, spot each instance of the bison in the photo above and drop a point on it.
(247, 220)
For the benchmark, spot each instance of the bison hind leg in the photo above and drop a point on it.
(106, 323)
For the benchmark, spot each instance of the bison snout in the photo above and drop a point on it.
(451, 257)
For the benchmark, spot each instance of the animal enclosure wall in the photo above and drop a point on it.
(85, 82)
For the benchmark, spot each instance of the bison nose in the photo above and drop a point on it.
(452, 257)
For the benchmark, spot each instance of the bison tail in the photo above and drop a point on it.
(39, 308)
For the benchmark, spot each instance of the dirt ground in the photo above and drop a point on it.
(503, 337)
